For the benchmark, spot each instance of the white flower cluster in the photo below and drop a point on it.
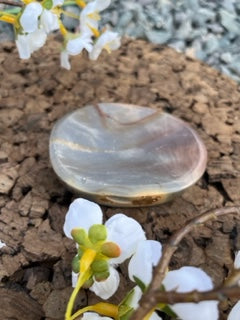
(130, 237)
(38, 19)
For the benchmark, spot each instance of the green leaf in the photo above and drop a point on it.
(125, 312)
(139, 282)
(166, 309)
(127, 300)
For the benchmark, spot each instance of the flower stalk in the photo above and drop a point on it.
(85, 274)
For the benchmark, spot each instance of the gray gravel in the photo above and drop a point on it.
(206, 29)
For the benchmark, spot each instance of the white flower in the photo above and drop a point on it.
(35, 16)
(125, 232)
(187, 279)
(27, 44)
(108, 40)
(103, 288)
(235, 312)
(89, 16)
(75, 46)
(30, 15)
(49, 21)
(144, 259)
(140, 266)
(93, 316)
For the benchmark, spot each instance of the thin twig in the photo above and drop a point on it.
(148, 300)
(220, 294)
(12, 3)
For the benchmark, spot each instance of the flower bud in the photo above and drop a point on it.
(80, 236)
(87, 284)
(111, 250)
(76, 264)
(97, 232)
(99, 266)
(101, 276)
(47, 4)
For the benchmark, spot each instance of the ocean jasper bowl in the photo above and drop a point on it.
(126, 155)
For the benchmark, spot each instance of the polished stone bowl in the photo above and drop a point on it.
(126, 155)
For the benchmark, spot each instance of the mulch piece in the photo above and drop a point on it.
(35, 266)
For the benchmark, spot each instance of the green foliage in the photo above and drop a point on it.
(139, 282)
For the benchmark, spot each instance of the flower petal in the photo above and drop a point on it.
(205, 310)
(64, 58)
(187, 279)
(137, 295)
(23, 47)
(75, 46)
(57, 3)
(37, 39)
(109, 40)
(29, 17)
(235, 312)
(134, 302)
(141, 264)
(87, 20)
(49, 21)
(105, 289)
(101, 5)
(126, 232)
(237, 260)
(82, 214)
(93, 316)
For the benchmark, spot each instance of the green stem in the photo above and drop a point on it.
(81, 280)
(85, 273)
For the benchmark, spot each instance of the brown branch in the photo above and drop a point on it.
(220, 294)
(148, 300)
(12, 3)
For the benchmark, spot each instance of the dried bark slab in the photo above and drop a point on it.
(34, 202)
(18, 305)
